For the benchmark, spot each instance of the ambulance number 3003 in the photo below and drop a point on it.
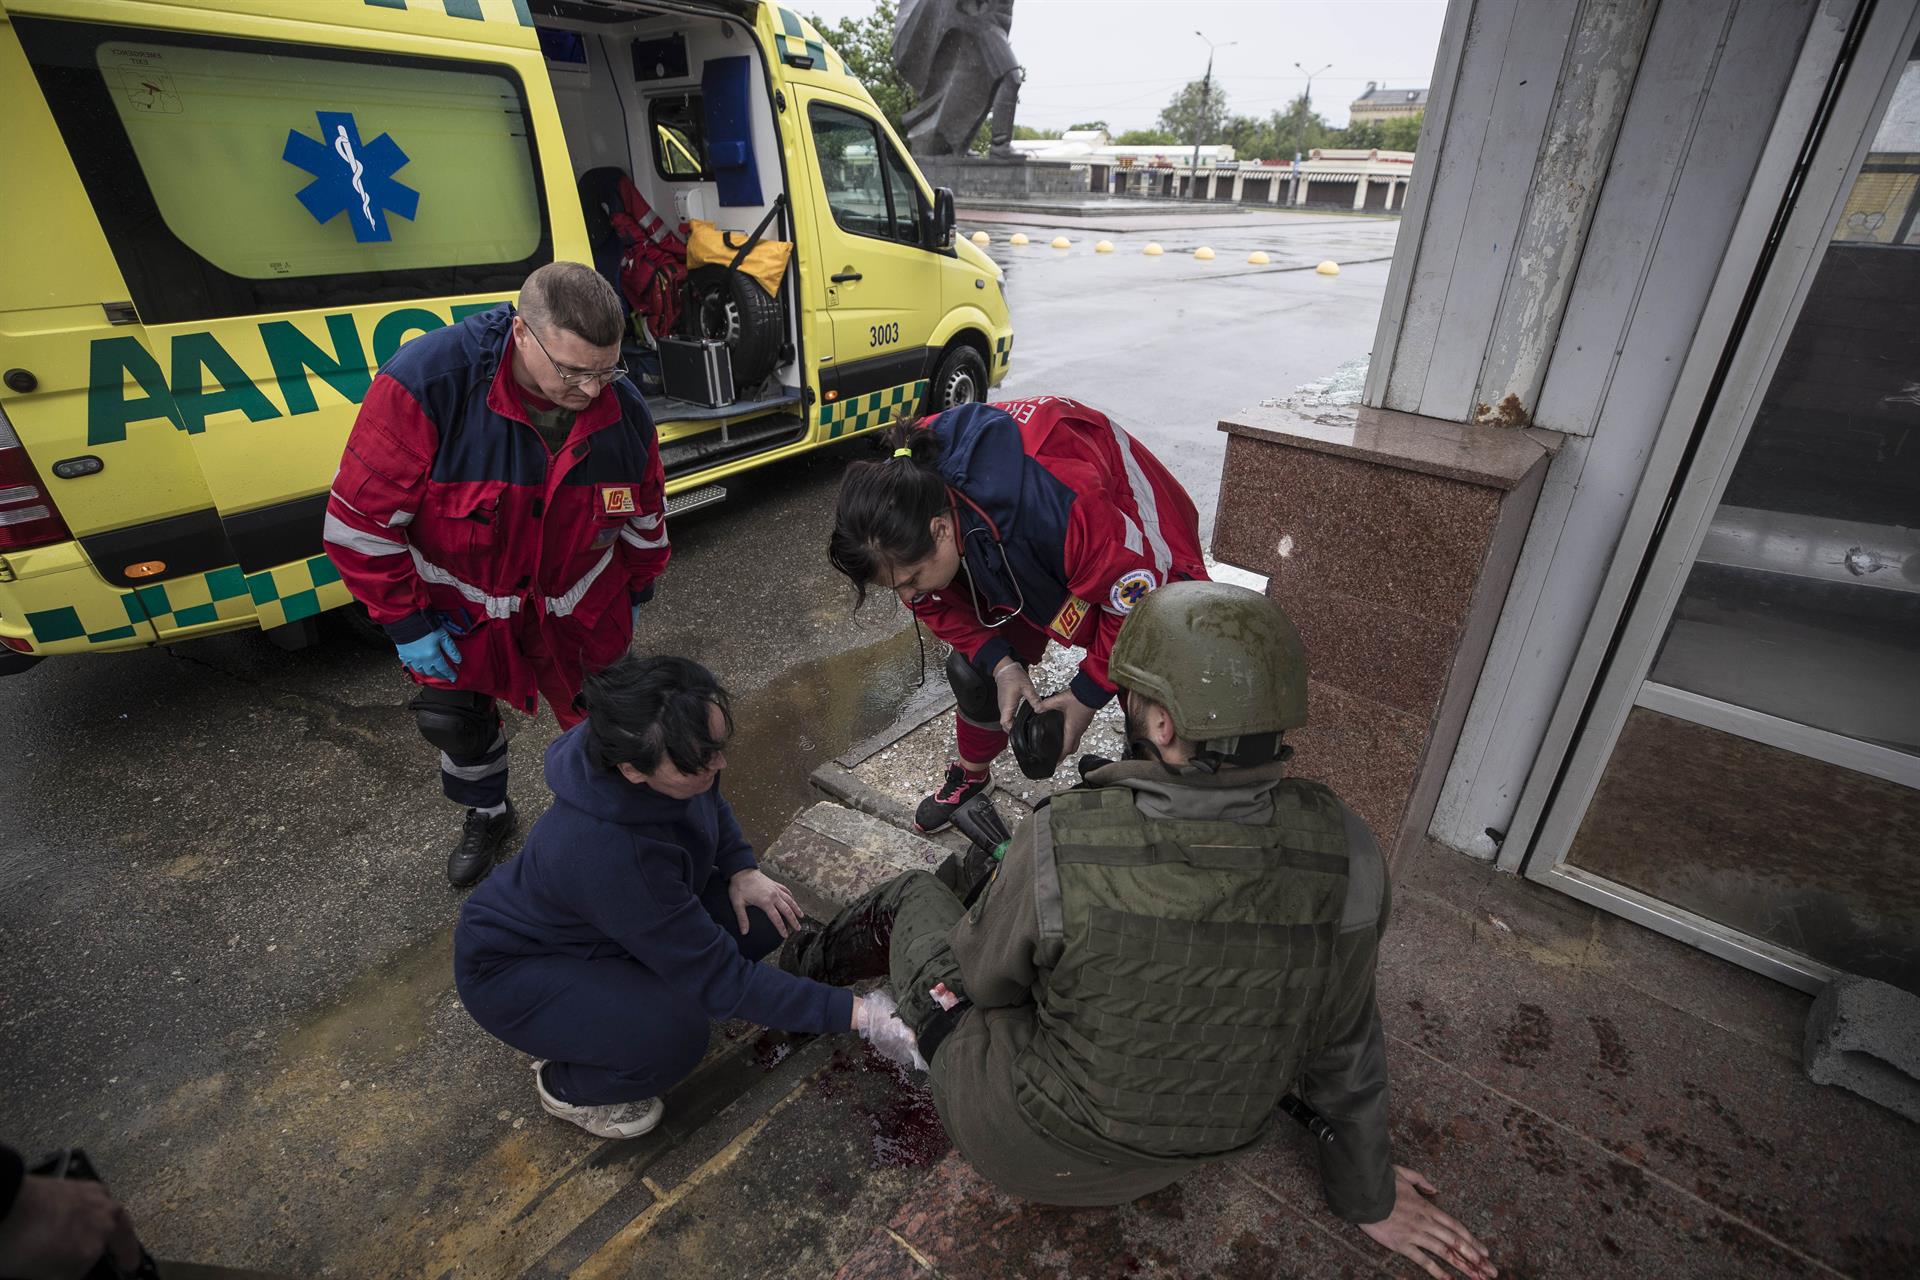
(882, 334)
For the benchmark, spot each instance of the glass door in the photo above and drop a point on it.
(1749, 773)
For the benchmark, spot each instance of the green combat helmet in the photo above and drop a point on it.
(1224, 661)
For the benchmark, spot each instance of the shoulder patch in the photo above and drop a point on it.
(1068, 620)
(1129, 589)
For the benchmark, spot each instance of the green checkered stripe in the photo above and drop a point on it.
(797, 38)
(1003, 351)
(860, 413)
(272, 597)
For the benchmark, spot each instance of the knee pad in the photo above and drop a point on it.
(458, 721)
(976, 695)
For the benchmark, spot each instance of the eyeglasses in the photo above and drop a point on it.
(578, 377)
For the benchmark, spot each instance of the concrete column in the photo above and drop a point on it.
(1482, 298)
(1239, 186)
(1360, 192)
(1273, 188)
(1300, 184)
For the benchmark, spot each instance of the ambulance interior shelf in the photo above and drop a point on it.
(695, 121)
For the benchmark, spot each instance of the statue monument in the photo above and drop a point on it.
(957, 56)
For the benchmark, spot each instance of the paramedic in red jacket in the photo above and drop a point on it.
(500, 510)
(1005, 526)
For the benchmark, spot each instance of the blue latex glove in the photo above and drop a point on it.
(635, 624)
(433, 654)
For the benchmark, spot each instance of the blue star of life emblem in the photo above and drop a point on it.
(351, 177)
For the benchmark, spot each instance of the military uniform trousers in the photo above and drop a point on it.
(973, 1068)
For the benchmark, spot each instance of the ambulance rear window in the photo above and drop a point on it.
(236, 177)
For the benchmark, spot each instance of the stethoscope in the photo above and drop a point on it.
(1006, 566)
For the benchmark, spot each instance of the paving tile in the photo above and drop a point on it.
(881, 1258)
(1689, 1102)
(1545, 1202)
(1212, 1223)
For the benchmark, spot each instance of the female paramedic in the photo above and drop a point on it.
(1004, 526)
(632, 918)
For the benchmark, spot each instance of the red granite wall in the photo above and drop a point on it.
(1391, 544)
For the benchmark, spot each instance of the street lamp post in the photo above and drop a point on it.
(1307, 99)
(1206, 98)
(1310, 75)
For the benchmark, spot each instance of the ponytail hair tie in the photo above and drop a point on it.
(903, 452)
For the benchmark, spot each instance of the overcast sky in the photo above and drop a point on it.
(1121, 60)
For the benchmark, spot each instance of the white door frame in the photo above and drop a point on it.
(1688, 472)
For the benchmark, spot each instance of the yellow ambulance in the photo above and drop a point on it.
(222, 216)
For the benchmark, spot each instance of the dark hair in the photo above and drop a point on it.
(575, 297)
(886, 508)
(641, 709)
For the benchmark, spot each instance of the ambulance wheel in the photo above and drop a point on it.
(962, 379)
(732, 307)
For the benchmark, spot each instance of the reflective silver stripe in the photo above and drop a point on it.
(1143, 499)
(475, 772)
(496, 606)
(342, 534)
(398, 518)
(1131, 536)
(627, 532)
(561, 606)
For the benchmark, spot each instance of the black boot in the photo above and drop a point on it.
(852, 948)
(481, 840)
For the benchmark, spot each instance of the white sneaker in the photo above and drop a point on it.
(612, 1120)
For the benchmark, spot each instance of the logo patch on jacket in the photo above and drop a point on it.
(1068, 620)
(617, 499)
(1130, 589)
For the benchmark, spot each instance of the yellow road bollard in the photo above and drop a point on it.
(1328, 268)
(1258, 258)
(1018, 237)
(1153, 250)
(1203, 253)
(1105, 246)
(981, 238)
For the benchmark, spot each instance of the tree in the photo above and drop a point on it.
(1145, 138)
(1099, 126)
(867, 47)
(1402, 133)
(1250, 136)
(1195, 115)
(1298, 129)
(1359, 136)
(1021, 133)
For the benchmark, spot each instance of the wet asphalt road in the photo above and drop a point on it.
(224, 916)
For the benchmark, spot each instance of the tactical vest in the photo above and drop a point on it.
(1187, 970)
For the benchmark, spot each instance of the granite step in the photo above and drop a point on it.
(835, 854)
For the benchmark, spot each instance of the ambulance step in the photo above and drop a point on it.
(728, 443)
(694, 499)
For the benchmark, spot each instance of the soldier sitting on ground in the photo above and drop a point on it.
(1164, 951)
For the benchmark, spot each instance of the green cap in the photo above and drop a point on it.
(1224, 661)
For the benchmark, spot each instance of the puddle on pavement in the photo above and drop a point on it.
(385, 1011)
(812, 713)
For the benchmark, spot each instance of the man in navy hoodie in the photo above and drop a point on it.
(632, 919)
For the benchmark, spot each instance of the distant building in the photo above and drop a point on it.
(1093, 145)
(1379, 104)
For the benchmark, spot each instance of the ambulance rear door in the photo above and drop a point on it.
(290, 198)
(77, 362)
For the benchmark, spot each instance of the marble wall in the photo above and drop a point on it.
(1390, 539)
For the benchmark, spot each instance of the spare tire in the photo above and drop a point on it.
(732, 307)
